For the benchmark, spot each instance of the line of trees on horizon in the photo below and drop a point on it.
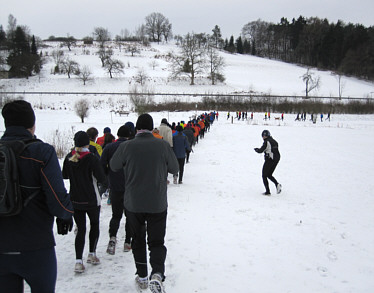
(343, 48)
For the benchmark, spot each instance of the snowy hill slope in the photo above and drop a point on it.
(243, 73)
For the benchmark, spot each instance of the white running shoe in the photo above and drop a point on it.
(111, 249)
(142, 282)
(79, 268)
(126, 247)
(155, 285)
(93, 259)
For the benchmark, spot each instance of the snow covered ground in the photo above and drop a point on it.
(223, 235)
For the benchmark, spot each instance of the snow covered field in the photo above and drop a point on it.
(224, 236)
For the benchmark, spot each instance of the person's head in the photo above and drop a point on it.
(156, 131)
(109, 138)
(164, 121)
(81, 139)
(92, 133)
(144, 122)
(131, 126)
(124, 131)
(265, 134)
(179, 128)
(107, 130)
(19, 113)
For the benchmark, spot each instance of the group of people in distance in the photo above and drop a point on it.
(134, 167)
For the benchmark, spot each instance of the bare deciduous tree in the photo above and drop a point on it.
(192, 59)
(341, 84)
(153, 64)
(84, 74)
(311, 82)
(166, 30)
(58, 58)
(69, 41)
(141, 76)
(133, 49)
(81, 108)
(101, 35)
(140, 33)
(69, 66)
(141, 98)
(216, 64)
(114, 66)
(156, 26)
(104, 54)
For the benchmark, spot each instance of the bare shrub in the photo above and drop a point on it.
(62, 141)
(81, 108)
(141, 98)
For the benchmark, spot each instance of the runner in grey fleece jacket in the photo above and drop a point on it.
(146, 160)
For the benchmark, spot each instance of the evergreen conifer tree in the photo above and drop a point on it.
(239, 45)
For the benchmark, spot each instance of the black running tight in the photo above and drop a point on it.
(80, 220)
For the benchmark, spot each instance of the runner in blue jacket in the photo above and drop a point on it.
(27, 244)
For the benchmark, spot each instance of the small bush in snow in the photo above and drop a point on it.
(81, 108)
(62, 141)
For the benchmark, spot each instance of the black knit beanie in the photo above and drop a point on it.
(145, 121)
(18, 113)
(124, 131)
(81, 139)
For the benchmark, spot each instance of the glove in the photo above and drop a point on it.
(257, 150)
(64, 226)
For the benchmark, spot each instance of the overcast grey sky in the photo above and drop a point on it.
(79, 17)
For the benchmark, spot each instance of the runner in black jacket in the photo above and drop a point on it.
(272, 157)
(84, 171)
(117, 191)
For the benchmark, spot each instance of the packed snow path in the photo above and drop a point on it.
(224, 236)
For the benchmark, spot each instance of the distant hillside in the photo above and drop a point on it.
(243, 74)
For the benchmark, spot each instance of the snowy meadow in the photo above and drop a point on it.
(223, 235)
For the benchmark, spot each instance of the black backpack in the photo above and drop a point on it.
(11, 199)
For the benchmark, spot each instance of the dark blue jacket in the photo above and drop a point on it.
(180, 145)
(116, 179)
(39, 169)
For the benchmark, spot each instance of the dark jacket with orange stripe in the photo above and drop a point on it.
(39, 170)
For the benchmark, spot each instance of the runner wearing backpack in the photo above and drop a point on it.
(27, 242)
